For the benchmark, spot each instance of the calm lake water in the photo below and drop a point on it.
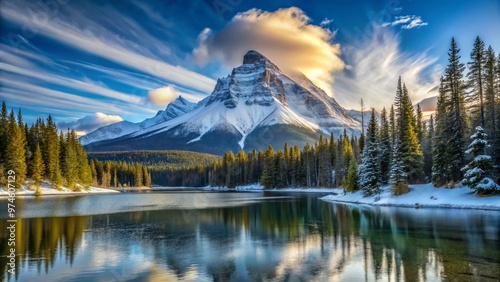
(206, 236)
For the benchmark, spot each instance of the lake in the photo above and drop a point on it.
(239, 236)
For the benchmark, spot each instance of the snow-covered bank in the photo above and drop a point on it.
(423, 195)
(260, 188)
(247, 188)
(48, 189)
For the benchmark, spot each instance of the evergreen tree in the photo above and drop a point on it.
(490, 104)
(4, 128)
(427, 148)
(369, 171)
(230, 172)
(384, 147)
(15, 151)
(440, 155)
(50, 150)
(268, 173)
(38, 167)
(496, 135)
(352, 176)
(84, 170)
(456, 115)
(392, 125)
(280, 171)
(398, 176)
(406, 134)
(476, 171)
(70, 168)
(475, 75)
(420, 126)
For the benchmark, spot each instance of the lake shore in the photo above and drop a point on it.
(260, 188)
(47, 189)
(422, 196)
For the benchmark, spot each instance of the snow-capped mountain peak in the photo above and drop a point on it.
(256, 99)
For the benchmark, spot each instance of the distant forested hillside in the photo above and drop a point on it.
(157, 158)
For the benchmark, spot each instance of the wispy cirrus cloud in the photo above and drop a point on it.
(407, 22)
(122, 59)
(102, 39)
(374, 69)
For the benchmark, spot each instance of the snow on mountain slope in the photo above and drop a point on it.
(174, 109)
(255, 96)
(110, 131)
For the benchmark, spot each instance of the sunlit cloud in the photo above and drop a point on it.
(407, 22)
(90, 123)
(376, 65)
(164, 95)
(285, 36)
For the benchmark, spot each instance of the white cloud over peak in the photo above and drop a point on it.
(407, 22)
(285, 36)
(90, 123)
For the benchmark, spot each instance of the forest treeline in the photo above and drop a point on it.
(41, 152)
(156, 158)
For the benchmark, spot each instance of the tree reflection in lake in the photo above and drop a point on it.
(274, 239)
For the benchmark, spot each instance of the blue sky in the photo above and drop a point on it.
(90, 64)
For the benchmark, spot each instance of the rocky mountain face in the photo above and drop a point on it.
(255, 106)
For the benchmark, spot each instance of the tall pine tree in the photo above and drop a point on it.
(454, 88)
(476, 80)
(369, 171)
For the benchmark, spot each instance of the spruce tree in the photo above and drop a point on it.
(268, 173)
(440, 155)
(392, 125)
(490, 105)
(369, 171)
(15, 151)
(4, 128)
(50, 151)
(420, 126)
(385, 150)
(38, 167)
(427, 148)
(398, 176)
(476, 172)
(406, 134)
(454, 87)
(352, 183)
(496, 135)
(280, 172)
(70, 160)
(476, 80)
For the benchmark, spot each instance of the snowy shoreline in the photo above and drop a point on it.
(422, 196)
(47, 189)
(259, 188)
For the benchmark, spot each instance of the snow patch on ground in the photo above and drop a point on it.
(249, 188)
(423, 195)
(48, 189)
(259, 188)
